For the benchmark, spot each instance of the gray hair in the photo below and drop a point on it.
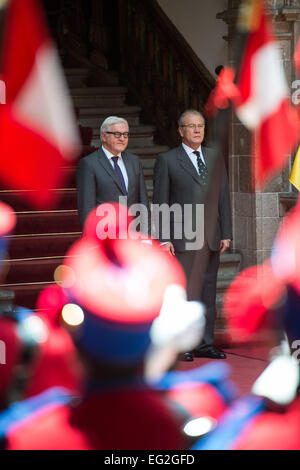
(185, 113)
(110, 121)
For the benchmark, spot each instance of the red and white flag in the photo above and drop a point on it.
(38, 132)
(297, 57)
(263, 105)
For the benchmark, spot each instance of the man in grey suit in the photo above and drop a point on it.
(111, 172)
(187, 176)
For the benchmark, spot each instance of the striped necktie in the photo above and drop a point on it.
(119, 173)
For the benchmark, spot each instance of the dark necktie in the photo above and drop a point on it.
(201, 168)
(119, 173)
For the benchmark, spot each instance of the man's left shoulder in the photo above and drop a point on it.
(208, 150)
(213, 151)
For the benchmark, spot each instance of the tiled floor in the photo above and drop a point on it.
(246, 364)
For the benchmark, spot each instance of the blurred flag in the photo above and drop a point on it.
(38, 133)
(297, 57)
(295, 173)
(263, 105)
(254, 292)
(285, 257)
(2, 91)
(224, 93)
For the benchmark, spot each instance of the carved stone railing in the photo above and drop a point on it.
(159, 68)
(269, 3)
(78, 27)
(161, 71)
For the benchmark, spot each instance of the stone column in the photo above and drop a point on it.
(2, 18)
(257, 214)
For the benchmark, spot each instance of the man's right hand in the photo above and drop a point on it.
(169, 248)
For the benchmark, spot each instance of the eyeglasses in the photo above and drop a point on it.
(194, 126)
(119, 134)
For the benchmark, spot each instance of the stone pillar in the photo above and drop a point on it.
(257, 214)
(2, 17)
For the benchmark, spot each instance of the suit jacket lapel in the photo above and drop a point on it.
(208, 161)
(186, 163)
(212, 164)
(103, 160)
(130, 171)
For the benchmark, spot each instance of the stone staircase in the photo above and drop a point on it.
(41, 238)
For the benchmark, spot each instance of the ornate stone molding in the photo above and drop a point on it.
(291, 14)
(289, 10)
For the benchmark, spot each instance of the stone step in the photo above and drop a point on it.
(98, 96)
(222, 286)
(66, 198)
(229, 267)
(56, 221)
(76, 77)
(145, 153)
(41, 244)
(7, 298)
(93, 117)
(148, 153)
(229, 264)
(148, 172)
(135, 131)
(85, 150)
(26, 294)
(140, 136)
(84, 76)
(32, 269)
(98, 90)
(149, 186)
(147, 164)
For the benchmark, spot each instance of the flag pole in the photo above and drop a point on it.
(223, 116)
(218, 140)
(3, 6)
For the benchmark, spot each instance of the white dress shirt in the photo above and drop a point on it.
(120, 163)
(192, 156)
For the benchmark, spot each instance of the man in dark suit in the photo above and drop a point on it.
(188, 177)
(111, 173)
